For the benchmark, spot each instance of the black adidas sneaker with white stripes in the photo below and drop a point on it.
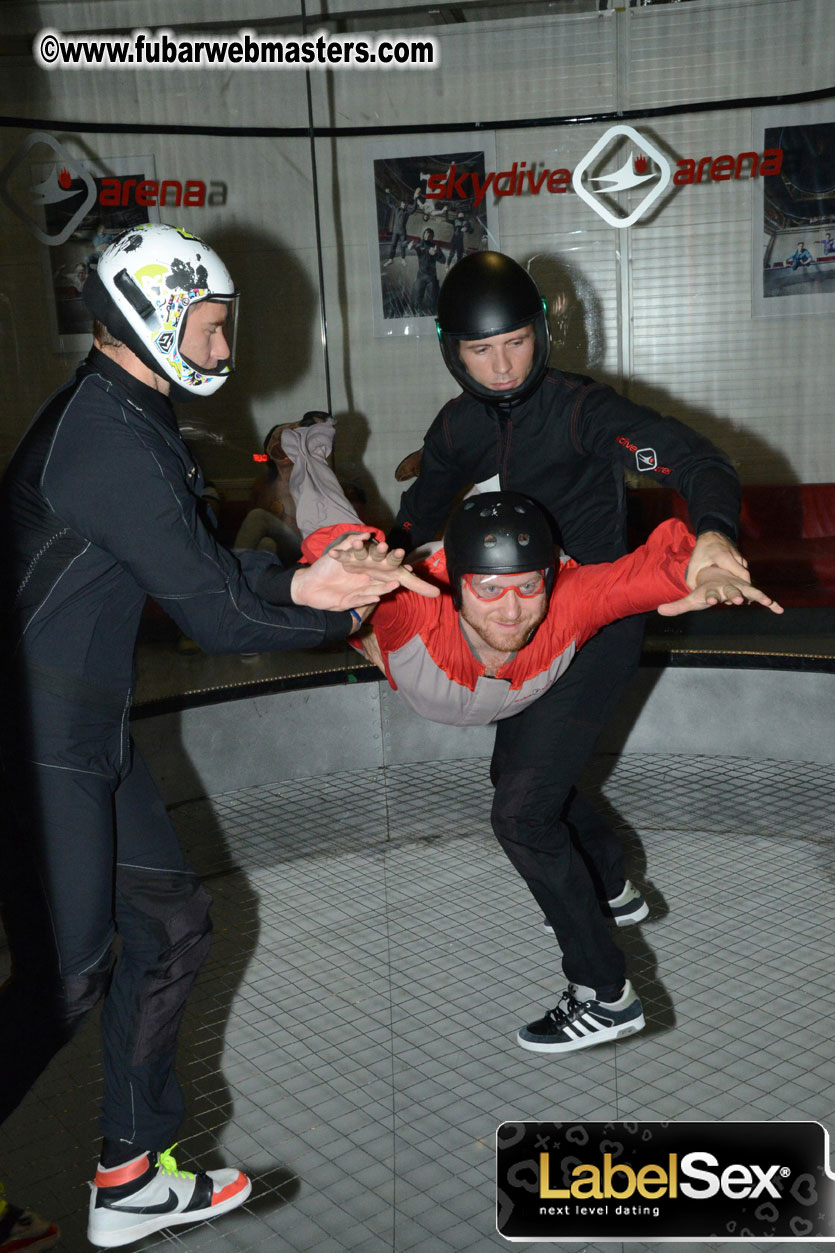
(581, 1023)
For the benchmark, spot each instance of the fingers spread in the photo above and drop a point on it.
(378, 562)
(707, 595)
(761, 598)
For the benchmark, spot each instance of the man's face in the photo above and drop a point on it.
(507, 623)
(204, 341)
(500, 362)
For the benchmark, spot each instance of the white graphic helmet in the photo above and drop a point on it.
(142, 290)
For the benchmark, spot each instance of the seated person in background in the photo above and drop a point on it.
(800, 256)
(270, 524)
(504, 629)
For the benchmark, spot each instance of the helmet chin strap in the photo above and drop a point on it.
(500, 401)
(102, 306)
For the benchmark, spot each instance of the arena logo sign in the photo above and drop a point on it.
(148, 192)
(52, 193)
(644, 165)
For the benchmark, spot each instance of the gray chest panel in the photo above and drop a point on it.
(430, 691)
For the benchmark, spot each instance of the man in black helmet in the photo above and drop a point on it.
(439, 654)
(101, 506)
(564, 440)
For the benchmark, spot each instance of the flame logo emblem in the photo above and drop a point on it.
(634, 171)
(626, 177)
(67, 178)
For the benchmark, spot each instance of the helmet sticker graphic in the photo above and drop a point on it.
(150, 278)
(186, 276)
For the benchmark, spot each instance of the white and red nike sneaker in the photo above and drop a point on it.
(150, 1192)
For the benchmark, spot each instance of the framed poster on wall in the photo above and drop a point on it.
(794, 212)
(429, 208)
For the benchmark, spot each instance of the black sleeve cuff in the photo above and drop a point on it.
(712, 523)
(273, 584)
(339, 625)
(400, 536)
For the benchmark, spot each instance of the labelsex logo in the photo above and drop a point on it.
(648, 167)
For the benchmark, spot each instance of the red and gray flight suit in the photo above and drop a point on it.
(101, 507)
(429, 661)
(566, 446)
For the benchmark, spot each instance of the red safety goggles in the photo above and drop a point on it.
(531, 585)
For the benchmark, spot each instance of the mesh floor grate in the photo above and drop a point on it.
(351, 1040)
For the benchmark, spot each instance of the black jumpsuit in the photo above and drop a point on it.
(101, 507)
(425, 288)
(566, 446)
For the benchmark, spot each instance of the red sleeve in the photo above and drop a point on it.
(404, 614)
(641, 581)
(401, 614)
(324, 537)
(398, 617)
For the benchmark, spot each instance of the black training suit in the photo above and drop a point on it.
(566, 446)
(101, 507)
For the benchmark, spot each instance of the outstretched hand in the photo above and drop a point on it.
(715, 549)
(327, 585)
(378, 561)
(347, 576)
(715, 586)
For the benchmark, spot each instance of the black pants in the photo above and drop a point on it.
(401, 241)
(90, 851)
(564, 850)
(425, 293)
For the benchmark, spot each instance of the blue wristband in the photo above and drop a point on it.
(356, 618)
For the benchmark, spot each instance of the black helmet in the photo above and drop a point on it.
(488, 294)
(498, 533)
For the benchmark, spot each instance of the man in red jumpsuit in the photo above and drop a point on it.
(504, 629)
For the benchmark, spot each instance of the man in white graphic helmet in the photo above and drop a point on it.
(101, 507)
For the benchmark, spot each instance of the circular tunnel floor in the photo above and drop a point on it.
(351, 1040)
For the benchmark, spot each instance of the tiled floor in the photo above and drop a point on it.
(351, 1040)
